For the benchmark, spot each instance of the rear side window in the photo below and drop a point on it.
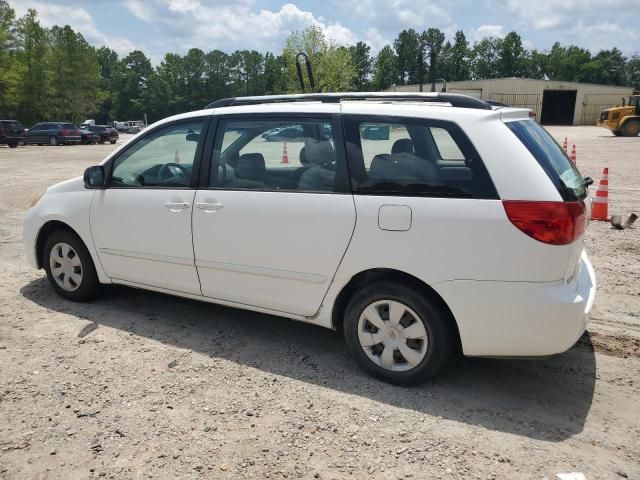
(413, 157)
(69, 126)
(276, 155)
(552, 159)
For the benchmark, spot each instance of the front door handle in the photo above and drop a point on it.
(209, 207)
(177, 206)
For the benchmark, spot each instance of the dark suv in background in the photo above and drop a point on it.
(11, 133)
(53, 133)
(107, 134)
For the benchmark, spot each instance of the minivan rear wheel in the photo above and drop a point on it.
(397, 333)
(70, 269)
(53, 141)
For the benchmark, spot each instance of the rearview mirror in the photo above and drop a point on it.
(94, 177)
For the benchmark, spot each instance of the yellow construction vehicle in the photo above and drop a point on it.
(623, 121)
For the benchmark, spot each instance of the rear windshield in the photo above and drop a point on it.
(551, 158)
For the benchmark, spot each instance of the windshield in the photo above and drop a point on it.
(562, 172)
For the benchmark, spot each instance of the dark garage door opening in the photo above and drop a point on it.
(558, 107)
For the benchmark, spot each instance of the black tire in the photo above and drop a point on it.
(89, 287)
(113, 142)
(13, 145)
(53, 141)
(617, 133)
(631, 128)
(436, 321)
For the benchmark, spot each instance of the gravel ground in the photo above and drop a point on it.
(142, 385)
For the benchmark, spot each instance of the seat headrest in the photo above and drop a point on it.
(319, 152)
(303, 156)
(404, 145)
(251, 166)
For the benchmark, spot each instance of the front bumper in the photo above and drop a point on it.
(521, 319)
(30, 228)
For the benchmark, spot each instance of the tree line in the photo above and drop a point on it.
(54, 73)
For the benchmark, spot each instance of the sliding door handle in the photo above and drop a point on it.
(177, 206)
(209, 207)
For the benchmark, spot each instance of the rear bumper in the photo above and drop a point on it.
(12, 139)
(521, 319)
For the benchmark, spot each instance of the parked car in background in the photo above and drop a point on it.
(107, 134)
(133, 130)
(12, 133)
(53, 133)
(88, 137)
(88, 123)
(375, 132)
(291, 134)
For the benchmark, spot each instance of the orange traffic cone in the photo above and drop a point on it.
(573, 156)
(600, 209)
(285, 155)
(564, 145)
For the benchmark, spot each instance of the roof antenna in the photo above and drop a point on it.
(312, 83)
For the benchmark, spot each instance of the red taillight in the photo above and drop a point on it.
(555, 223)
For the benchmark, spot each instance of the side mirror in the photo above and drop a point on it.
(94, 177)
(192, 137)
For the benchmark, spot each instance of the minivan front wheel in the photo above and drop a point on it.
(396, 333)
(70, 269)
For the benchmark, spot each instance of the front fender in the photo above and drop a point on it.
(71, 206)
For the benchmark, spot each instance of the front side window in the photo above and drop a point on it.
(275, 154)
(414, 157)
(164, 158)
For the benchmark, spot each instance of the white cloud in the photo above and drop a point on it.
(230, 25)
(593, 24)
(375, 40)
(78, 18)
(484, 31)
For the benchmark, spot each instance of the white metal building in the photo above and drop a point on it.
(554, 102)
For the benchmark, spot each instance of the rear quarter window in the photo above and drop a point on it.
(414, 157)
(554, 161)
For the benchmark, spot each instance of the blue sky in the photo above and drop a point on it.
(161, 26)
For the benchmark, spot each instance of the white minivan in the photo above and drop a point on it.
(414, 223)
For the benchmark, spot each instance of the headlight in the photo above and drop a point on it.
(39, 194)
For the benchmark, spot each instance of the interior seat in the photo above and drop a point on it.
(404, 145)
(251, 166)
(320, 176)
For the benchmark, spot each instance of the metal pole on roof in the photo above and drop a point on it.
(432, 68)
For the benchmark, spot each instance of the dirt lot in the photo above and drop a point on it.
(142, 385)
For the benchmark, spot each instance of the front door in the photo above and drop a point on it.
(141, 224)
(276, 217)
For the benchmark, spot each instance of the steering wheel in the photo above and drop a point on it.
(172, 171)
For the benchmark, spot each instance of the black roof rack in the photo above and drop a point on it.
(455, 100)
